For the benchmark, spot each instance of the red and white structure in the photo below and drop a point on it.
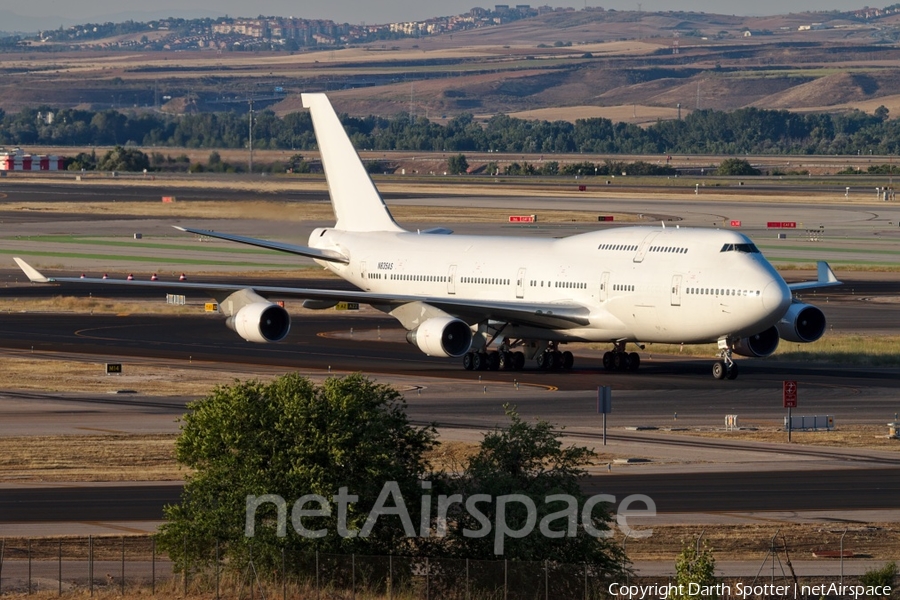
(17, 160)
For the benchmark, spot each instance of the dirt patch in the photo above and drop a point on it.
(89, 458)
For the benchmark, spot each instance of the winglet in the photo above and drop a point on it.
(33, 274)
(826, 278)
(826, 275)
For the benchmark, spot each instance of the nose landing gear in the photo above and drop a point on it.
(725, 368)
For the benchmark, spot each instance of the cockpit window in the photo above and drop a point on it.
(746, 248)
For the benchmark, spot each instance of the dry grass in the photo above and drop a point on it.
(844, 436)
(451, 455)
(89, 458)
(752, 542)
(32, 373)
(639, 115)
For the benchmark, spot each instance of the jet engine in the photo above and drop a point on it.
(261, 322)
(442, 336)
(759, 345)
(801, 323)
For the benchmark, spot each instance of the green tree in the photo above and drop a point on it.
(736, 166)
(883, 577)
(124, 159)
(457, 164)
(298, 164)
(529, 459)
(695, 565)
(214, 162)
(292, 437)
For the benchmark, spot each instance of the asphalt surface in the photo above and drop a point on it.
(675, 492)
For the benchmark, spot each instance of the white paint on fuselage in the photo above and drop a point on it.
(643, 284)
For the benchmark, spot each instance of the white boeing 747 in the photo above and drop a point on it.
(496, 301)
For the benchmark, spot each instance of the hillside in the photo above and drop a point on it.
(637, 66)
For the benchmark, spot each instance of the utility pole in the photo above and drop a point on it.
(250, 127)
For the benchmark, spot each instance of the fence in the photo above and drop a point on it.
(132, 565)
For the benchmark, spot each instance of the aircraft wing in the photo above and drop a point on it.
(826, 278)
(551, 316)
(326, 255)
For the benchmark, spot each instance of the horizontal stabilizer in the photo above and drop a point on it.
(826, 278)
(326, 255)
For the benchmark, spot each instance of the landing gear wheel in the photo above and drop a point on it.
(469, 361)
(506, 361)
(634, 361)
(568, 359)
(493, 361)
(620, 361)
(608, 361)
(552, 360)
(718, 369)
(732, 371)
(518, 361)
(542, 360)
(480, 361)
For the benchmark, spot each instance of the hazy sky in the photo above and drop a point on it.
(356, 11)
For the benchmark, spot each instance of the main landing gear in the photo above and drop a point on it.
(503, 360)
(552, 359)
(546, 354)
(619, 360)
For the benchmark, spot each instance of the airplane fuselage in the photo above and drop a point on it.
(642, 284)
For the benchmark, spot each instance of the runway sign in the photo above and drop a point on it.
(735, 223)
(782, 225)
(789, 394)
(113, 368)
(522, 218)
(211, 307)
(346, 306)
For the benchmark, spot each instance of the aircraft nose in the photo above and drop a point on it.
(776, 297)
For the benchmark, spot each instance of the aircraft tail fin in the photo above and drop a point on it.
(356, 202)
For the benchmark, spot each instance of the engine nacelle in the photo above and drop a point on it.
(759, 345)
(442, 336)
(801, 323)
(261, 322)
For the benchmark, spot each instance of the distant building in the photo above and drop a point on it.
(17, 160)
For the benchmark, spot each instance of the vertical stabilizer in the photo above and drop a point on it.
(356, 202)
